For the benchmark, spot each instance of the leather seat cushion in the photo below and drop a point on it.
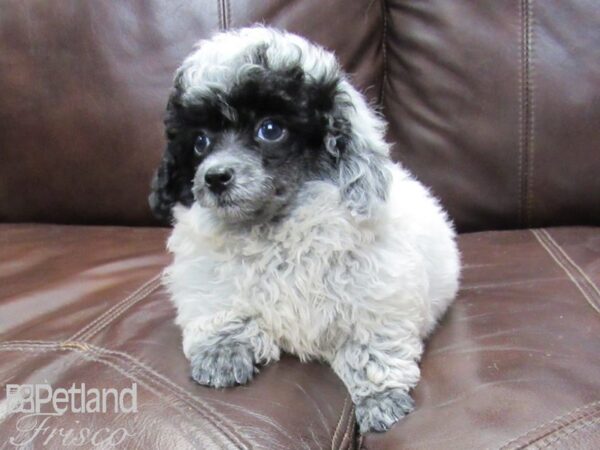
(514, 362)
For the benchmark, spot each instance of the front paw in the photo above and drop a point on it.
(223, 365)
(380, 411)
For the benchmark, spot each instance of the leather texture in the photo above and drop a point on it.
(493, 104)
(84, 84)
(85, 305)
(514, 364)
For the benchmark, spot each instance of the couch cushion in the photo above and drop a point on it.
(514, 362)
(84, 85)
(492, 104)
(495, 105)
(85, 305)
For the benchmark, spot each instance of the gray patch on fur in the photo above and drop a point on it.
(380, 411)
(227, 363)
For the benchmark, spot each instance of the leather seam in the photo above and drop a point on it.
(228, 10)
(384, 50)
(95, 353)
(559, 422)
(525, 112)
(349, 429)
(585, 285)
(220, 14)
(563, 433)
(592, 287)
(118, 308)
(531, 99)
(520, 127)
(124, 307)
(337, 427)
(224, 9)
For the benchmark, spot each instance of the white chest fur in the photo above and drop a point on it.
(309, 280)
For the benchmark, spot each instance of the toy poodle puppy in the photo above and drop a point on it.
(293, 229)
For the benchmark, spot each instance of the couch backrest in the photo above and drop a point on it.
(496, 105)
(493, 104)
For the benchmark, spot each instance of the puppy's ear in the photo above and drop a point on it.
(356, 138)
(172, 181)
(169, 186)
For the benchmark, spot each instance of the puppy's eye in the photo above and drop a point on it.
(202, 143)
(270, 131)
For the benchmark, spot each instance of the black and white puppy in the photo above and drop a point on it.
(294, 231)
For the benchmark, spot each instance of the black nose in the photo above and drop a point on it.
(218, 178)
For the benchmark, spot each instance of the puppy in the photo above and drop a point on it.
(293, 230)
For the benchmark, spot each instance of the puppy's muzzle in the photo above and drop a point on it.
(219, 178)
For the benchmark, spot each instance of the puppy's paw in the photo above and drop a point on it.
(380, 411)
(223, 365)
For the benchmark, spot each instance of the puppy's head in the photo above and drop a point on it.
(255, 114)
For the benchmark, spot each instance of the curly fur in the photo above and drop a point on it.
(354, 267)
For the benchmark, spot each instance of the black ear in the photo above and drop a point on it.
(172, 183)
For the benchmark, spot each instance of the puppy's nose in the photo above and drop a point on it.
(218, 178)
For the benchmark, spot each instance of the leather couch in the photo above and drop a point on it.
(493, 104)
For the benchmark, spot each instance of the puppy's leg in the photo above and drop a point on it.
(379, 369)
(224, 350)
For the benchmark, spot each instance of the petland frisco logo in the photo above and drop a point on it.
(43, 399)
(40, 403)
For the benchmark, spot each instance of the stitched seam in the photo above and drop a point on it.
(557, 257)
(564, 427)
(337, 427)
(559, 423)
(565, 433)
(117, 313)
(112, 308)
(520, 100)
(227, 21)
(589, 288)
(558, 420)
(384, 55)
(583, 288)
(141, 369)
(224, 9)
(349, 428)
(525, 110)
(220, 14)
(117, 305)
(594, 291)
(531, 112)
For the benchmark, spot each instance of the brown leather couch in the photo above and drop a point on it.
(495, 104)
